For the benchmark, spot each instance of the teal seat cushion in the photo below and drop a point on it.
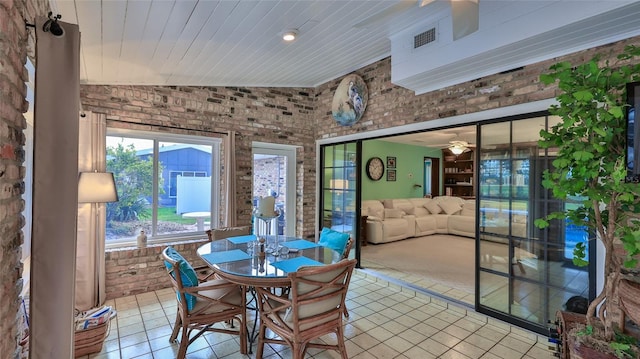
(187, 275)
(333, 239)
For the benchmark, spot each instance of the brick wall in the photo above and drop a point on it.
(390, 105)
(256, 114)
(269, 174)
(15, 45)
(132, 271)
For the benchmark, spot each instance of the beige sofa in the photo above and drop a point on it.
(395, 219)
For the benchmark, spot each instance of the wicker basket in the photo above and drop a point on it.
(89, 341)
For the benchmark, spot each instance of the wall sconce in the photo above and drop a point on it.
(52, 25)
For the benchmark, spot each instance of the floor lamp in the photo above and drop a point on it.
(96, 187)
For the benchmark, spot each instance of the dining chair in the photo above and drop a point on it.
(345, 255)
(226, 232)
(203, 304)
(312, 309)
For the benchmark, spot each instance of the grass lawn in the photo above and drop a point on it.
(168, 214)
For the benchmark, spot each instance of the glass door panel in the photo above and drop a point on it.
(525, 273)
(338, 193)
(275, 175)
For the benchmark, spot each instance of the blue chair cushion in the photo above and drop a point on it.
(333, 239)
(187, 275)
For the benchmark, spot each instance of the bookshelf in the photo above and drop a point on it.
(458, 176)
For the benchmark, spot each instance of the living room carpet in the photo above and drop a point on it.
(445, 259)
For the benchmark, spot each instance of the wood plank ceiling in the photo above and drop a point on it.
(239, 43)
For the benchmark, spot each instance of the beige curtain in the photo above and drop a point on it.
(230, 175)
(55, 192)
(90, 272)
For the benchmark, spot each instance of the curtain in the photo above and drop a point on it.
(55, 192)
(230, 175)
(90, 262)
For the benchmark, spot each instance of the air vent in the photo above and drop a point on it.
(424, 38)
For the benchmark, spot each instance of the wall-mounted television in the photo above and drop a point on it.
(633, 133)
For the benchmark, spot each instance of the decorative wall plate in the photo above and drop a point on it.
(350, 100)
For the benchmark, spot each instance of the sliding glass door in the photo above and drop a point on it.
(524, 274)
(338, 195)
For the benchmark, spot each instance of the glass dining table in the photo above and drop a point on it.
(238, 259)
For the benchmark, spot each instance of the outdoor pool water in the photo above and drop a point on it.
(573, 235)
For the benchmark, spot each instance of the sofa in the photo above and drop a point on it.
(391, 220)
(396, 219)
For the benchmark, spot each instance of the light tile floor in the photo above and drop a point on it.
(387, 320)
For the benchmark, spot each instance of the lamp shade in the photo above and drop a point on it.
(97, 187)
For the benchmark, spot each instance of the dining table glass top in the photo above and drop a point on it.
(240, 256)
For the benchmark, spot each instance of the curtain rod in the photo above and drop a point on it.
(171, 127)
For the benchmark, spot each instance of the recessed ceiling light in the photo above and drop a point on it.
(289, 35)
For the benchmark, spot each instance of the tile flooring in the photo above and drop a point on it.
(387, 320)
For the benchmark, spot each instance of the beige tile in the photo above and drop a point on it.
(135, 350)
(457, 331)
(133, 339)
(452, 354)
(383, 351)
(446, 339)
(417, 352)
(413, 336)
(387, 321)
(433, 347)
(380, 334)
(364, 341)
(480, 341)
(398, 343)
(515, 343)
(505, 352)
(396, 326)
(469, 349)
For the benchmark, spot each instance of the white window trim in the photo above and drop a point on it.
(289, 152)
(215, 143)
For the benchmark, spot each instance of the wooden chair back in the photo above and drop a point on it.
(217, 301)
(226, 232)
(313, 308)
(347, 248)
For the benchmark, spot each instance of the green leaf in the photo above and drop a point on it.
(584, 95)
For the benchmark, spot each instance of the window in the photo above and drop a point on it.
(165, 183)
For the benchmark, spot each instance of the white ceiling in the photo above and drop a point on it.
(238, 42)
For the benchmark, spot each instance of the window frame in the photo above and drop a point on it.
(216, 188)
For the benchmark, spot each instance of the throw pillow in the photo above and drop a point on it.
(376, 212)
(433, 207)
(450, 207)
(393, 213)
(333, 239)
(187, 275)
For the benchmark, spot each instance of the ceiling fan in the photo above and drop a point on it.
(459, 147)
(464, 13)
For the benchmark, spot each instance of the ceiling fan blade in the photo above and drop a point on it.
(425, 2)
(465, 17)
(390, 11)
